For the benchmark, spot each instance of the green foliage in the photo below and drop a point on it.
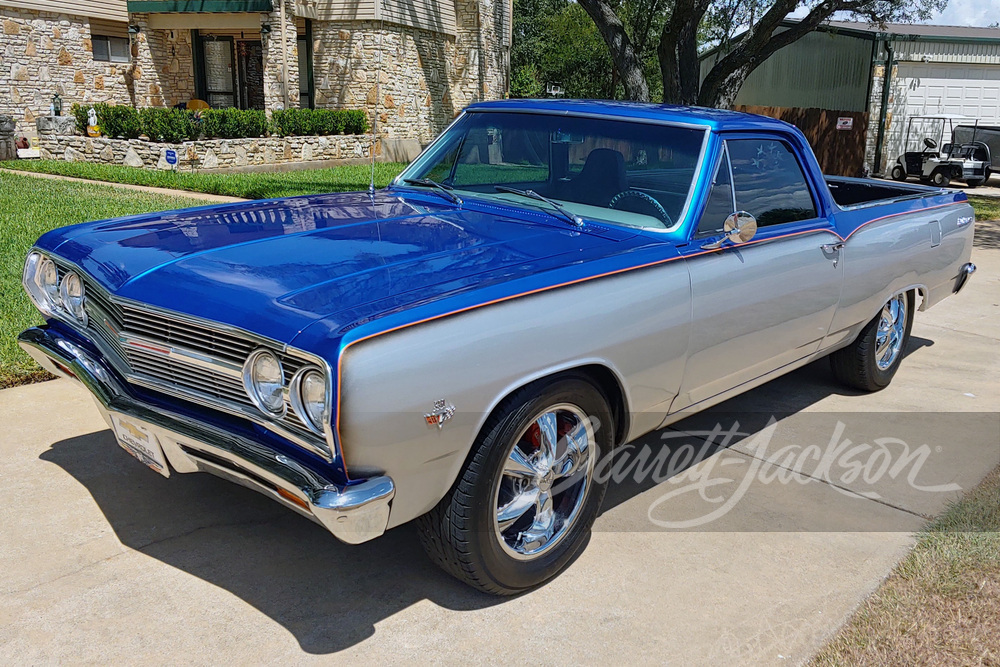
(168, 125)
(177, 125)
(118, 122)
(555, 41)
(356, 122)
(80, 113)
(526, 82)
(232, 123)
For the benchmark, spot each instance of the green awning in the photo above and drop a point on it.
(175, 6)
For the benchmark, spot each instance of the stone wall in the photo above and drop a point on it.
(425, 78)
(275, 62)
(43, 53)
(162, 69)
(207, 154)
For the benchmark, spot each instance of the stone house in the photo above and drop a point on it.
(412, 63)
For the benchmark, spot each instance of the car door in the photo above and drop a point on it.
(766, 303)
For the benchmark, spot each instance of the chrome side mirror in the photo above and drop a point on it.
(739, 227)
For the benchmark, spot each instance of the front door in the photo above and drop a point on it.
(250, 57)
(767, 303)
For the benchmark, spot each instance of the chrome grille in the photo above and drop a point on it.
(111, 322)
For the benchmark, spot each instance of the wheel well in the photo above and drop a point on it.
(607, 382)
(604, 380)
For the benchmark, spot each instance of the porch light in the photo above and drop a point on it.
(134, 30)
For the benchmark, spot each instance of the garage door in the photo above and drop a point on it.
(935, 88)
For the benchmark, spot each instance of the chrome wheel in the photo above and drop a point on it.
(544, 482)
(890, 333)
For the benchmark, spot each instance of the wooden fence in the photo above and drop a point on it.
(839, 151)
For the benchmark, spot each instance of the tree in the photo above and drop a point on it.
(556, 42)
(687, 20)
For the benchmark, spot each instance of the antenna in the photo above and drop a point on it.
(378, 94)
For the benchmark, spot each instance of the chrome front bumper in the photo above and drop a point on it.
(354, 513)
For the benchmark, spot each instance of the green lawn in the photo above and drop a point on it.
(986, 208)
(30, 207)
(260, 185)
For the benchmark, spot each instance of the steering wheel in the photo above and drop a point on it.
(645, 201)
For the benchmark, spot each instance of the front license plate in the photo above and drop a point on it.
(138, 441)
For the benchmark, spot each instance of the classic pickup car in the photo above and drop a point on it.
(548, 280)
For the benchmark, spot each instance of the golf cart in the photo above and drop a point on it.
(967, 161)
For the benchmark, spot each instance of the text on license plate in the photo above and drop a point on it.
(140, 442)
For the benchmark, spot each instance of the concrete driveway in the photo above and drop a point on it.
(748, 553)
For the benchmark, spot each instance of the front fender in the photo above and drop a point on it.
(472, 360)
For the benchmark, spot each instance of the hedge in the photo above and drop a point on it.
(177, 125)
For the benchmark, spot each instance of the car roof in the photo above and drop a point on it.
(716, 119)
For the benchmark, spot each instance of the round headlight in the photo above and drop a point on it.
(73, 298)
(47, 279)
(309, 397)
(264, 381)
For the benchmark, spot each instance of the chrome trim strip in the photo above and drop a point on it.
(181, 355)
(601, 116)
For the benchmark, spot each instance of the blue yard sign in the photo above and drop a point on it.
(171, 157)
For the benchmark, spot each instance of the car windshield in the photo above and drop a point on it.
(625, 173)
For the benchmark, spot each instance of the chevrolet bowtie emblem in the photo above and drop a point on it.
(443, 411)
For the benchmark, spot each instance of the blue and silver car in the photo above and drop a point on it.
(547, 281)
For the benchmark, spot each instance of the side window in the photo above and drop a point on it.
(720, 200)
(769, 182)
(110, 49)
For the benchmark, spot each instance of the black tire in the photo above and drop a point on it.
(855, 365)
(974, 182)
(459, 533)
(940, 178)
(898, 173)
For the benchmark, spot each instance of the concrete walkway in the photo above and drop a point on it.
(105, 561)
(218, 199)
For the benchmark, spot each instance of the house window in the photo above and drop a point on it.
(110, 49)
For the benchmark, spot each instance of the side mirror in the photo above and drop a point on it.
(739, 227)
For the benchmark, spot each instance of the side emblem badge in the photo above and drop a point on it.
(443, 411)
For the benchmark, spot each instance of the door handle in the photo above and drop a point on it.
(831, 248)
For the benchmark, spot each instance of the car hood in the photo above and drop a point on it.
(273, 267)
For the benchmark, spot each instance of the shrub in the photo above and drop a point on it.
(305, 122)
(168, 125)
(356, 122)
(177, 125)
(118, 121)
(80, 113)
(233, 123)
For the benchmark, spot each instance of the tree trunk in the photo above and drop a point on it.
(626, 60)
(678, 52)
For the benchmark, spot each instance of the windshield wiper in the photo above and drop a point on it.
(574, 220)
(442, 189)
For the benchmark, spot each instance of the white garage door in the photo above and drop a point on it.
(934, 88)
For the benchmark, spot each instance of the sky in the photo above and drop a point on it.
(976, 13)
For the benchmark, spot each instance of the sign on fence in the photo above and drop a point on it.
(845, 123)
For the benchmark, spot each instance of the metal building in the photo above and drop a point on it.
(842, 66)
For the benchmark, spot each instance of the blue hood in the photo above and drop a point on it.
(276, 266)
